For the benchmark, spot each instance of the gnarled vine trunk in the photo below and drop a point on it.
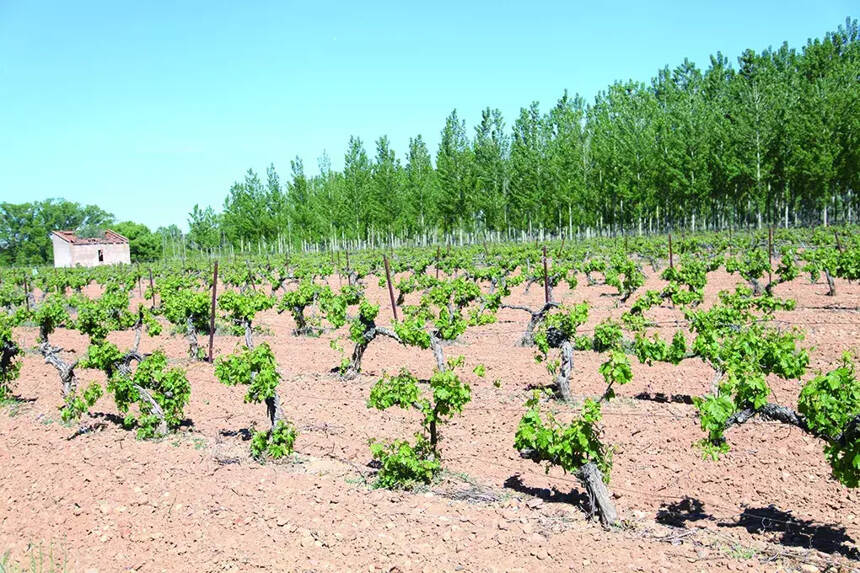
(438, 354)
(591, 478)
(191, 335)
(273, 409)
(626, 295)
(155, 409)
(557, 339)
(531, 282)
(769, 411)
(601, 500)
(8, 352)
(249, 334)
(756, 286)
(354, 367)
(831, 283)
(537, 317)
(786, 415)
(562, 379)
(123, 366)
(302, 328)
(66, 370)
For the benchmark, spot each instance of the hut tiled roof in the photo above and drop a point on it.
(109, 238)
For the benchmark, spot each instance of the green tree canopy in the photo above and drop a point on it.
(25, 228)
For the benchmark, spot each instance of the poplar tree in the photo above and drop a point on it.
(356, 188)
(454, 165)
(420, 188)
(491, 148)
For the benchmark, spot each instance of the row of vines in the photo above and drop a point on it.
(436, 295)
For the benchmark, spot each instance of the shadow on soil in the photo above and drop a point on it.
(790, 530)
(549, 387)
(243, 433)
(678, 513)
(553, 495)
(15, 399)
(119, 420)
(100, 421)
(664, 398)
(796, 532)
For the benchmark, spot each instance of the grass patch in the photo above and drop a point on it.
(737, 551)
(34, 560)
(11, 406)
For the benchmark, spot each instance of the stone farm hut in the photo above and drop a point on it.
(71, 250)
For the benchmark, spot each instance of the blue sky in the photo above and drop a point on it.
(146, 108)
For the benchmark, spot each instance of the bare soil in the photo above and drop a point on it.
(196, 501)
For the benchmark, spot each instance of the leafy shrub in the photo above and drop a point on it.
(161, 395)
(77, 405)
(275, 443)
(831, 404)
(607, 335)
(255, 368)
(569, 446)
(403, 465)
(51, 314)
(10, 359)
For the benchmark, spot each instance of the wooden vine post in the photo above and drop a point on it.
(251, 276)
(390, 286)
(26, 293)
(212, 315)
(546, 294)
(152, 288)
(671, 261)
(769, 254)
(438, 254)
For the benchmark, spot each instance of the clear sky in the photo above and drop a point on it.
(146, 108)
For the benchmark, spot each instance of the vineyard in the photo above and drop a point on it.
(628, 402)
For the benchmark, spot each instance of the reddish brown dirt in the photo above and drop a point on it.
(195, 501)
